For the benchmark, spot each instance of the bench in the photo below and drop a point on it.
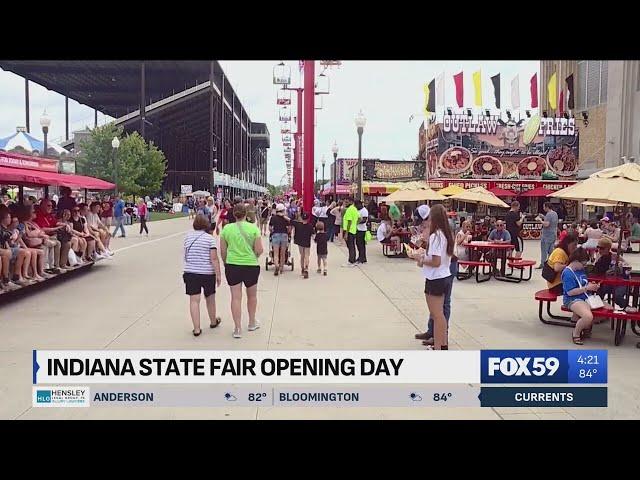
(394, 249)
(471, 264)
(547, 297)
(520, 264)
(7, 294)
(618, 321)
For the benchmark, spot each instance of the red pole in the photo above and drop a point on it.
(297, 151)
(308, 134)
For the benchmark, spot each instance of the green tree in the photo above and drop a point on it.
(154, 170)
(130, 163)
(96, 159)
(141, 166)
(274, 191)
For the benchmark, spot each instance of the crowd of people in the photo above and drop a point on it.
(236, 228)
(579, 250)
(45, 237)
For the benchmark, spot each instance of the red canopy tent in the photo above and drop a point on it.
(537, 192)
(501, 192)
(23, 176)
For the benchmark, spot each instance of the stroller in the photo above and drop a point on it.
(288, 258)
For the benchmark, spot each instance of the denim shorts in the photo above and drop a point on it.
(279, 239)
(574, 300)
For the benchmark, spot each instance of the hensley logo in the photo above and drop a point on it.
(61, 397)
(43, 396)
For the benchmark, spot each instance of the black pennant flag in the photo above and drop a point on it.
(496, 88)
(570, 101)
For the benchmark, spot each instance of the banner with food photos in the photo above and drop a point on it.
(491, 147)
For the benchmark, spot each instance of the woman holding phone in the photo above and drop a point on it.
(576, 288)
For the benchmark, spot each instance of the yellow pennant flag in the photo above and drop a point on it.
(552, 90)
(477, 85)
(426, 99)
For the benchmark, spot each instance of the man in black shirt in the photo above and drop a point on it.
(514, 220)
(302, 238)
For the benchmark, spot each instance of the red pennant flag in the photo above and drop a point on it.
(459, 89)
(561, 102)
(534, 91)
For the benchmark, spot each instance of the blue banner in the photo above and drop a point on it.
(543, 396)
(543, 366)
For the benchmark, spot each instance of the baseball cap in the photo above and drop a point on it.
(423, 211)
(280, 207)
(606, 219)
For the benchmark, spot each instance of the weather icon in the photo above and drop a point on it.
(415, 397)
(230, 397)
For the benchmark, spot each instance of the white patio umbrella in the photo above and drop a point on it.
(616, 185)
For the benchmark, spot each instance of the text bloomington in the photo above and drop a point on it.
(167, 367)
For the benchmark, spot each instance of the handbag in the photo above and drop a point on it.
(367, 236)
(594, 301)
(548, 273)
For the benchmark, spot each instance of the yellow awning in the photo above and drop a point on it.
(451, 190)
(418, 195)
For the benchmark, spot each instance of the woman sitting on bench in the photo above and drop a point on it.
(559, 259)
(575, 288)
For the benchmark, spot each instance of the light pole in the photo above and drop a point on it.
(361, 121)
(212, 168)
(323, 163)
(334, 150)
(45, 122)
(115, 143)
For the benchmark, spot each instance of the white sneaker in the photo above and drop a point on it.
(109, 253)
(10, 286)
(237, 333)
(252, 328)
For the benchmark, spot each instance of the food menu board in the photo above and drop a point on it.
(531, 230)
(489, 147)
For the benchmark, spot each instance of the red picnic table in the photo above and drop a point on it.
(500, 250)
(633, 292)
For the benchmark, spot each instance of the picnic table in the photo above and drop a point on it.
(500, 250)
(633, 292)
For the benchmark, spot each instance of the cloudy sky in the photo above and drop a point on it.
(388, 92)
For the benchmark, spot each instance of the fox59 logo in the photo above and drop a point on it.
(523, 366)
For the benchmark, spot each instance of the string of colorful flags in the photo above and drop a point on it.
(434, 92)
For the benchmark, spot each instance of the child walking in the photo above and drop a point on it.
(321, 247)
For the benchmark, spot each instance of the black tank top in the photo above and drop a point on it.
(78, 225)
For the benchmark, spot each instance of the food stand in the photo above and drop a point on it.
(517, 155)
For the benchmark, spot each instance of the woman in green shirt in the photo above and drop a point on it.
(240, 247)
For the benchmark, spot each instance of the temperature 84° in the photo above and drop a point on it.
(257, 397)
(442, 397)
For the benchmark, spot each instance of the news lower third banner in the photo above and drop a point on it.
(85, 367)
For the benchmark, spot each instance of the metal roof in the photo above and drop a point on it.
(113, 87)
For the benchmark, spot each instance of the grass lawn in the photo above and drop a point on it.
(157, 216)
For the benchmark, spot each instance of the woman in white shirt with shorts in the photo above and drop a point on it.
(435, 268)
